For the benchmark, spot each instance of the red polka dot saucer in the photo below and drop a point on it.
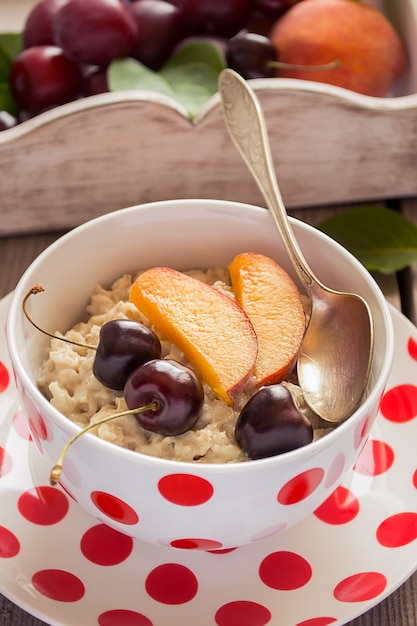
(64, 567)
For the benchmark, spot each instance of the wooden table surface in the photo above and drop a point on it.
(400, 608)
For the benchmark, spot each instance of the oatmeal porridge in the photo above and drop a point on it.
(66, 378)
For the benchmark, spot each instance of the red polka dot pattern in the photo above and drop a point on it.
(20, 425)
(341, 507)
(243, 613)
(318, 621)
(399, 404)
(63, 554)
(38, 427)
(4, 377)
(285, 571)
(6, 462)
(361, 432)
(398, 530)
(412, 348)
(123, 618)
(9, 544)
(114, 508)
(360, 587)
(104, 546)
(185, 489)
(301, 486)
(196, 544)
(171, 583)
(58, 585)
(222, 551)
(43, 505)
(376, 458)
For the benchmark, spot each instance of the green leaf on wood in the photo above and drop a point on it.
(193, 84)
(125, 74)
(7, 102)
(202, 52)
(382, 239)
(190, 75)
(10, 46)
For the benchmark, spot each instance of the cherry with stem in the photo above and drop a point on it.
(124, 345)
(55, 474)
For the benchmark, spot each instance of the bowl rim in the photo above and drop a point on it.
(91, 439)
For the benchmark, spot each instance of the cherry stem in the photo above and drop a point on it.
(38, 289)
(55, 474)
(293, 66)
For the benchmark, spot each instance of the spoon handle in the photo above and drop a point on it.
(246, 125)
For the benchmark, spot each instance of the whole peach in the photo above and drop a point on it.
(370, 52)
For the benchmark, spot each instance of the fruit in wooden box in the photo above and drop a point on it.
(315, 32)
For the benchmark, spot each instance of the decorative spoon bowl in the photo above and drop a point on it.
(336, 355)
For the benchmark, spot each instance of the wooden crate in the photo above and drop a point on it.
(109, 151)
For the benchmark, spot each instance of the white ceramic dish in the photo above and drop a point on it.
(339, 563)
(168, 501)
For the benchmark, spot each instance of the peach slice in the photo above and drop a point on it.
(274, 306)
(210, 328)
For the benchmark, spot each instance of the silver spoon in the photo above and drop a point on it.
(336, 354)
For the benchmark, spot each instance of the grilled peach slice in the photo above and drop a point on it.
(210, 328)
(273, 304)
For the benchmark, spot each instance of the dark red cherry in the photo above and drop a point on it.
(251, 55)
(37, 30)
(271, 424)
(273, 8)
(43, 77)
(95, 81)
(221, 18)
(124, 345)
(94, 32)
(175, 388)
(159, 29)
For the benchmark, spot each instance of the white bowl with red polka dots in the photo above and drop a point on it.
(185, 505)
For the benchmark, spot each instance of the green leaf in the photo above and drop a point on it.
(7, 102)
(196, 52)
(10, 46)
(382, 239)
(193, 84)
(130, 74)
(193, 72)
(190, 75)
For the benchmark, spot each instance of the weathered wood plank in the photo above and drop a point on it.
(114, 150)
(106, 152)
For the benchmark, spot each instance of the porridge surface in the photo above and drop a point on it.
(67, 380)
